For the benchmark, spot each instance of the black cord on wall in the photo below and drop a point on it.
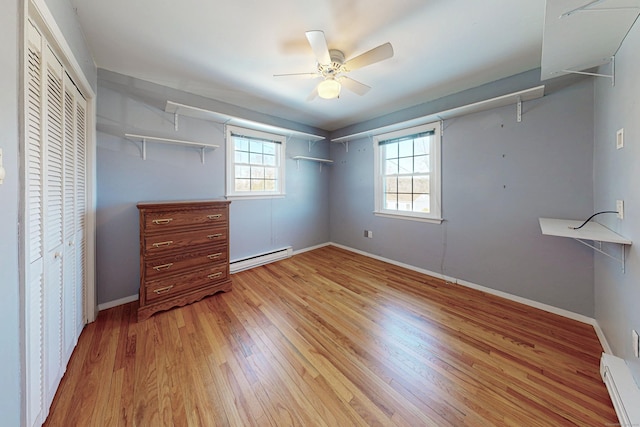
(591, 217)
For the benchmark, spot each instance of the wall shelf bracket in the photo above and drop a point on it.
(611, 76)
(519, 109)
(598, 248)
(175, 121)
(311, 159)
(146, 138)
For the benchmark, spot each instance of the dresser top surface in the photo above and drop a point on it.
(182, 203)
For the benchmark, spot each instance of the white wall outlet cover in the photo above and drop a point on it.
(636, 343)
(620, 138)
(3, 173)
(620, 208)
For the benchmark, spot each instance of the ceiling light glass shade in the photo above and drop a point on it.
(329, 89)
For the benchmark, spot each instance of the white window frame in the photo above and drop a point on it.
(231, 193)
(435, 175)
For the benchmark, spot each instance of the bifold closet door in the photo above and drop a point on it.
(55, 212)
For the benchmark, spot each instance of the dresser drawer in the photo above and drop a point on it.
(166, 220)
(165, 243)
(161, 289)
(165, 266)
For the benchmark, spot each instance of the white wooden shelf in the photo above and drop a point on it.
(509, 99)
(312, 159)
(592, 231)
(145, 138)
(178, 109)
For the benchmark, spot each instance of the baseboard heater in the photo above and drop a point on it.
(261, 259)
(623, 390)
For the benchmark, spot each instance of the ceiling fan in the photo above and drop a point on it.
(332, 67)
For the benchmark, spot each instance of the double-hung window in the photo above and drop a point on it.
(407, 171)
(255, 163)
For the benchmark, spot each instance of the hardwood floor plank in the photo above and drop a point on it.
(333, 338)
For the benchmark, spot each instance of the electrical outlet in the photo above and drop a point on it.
(635, 343)
(368, 233)
(620, 208)
(620, 138)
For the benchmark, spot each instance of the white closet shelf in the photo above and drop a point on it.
(178, 109)
(311, 159)
(592, 231)
(144, 138)
(500, 101)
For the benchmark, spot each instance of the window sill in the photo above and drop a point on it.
(409, 217)
(255, 196)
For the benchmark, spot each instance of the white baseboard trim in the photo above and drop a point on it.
(311, 248)
(551, 309)
(117, 302)
(601, 336)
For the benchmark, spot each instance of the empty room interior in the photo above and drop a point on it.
(325, 213)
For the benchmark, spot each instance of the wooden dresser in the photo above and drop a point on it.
(184, 253)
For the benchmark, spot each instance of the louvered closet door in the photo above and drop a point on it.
(34, 259)
(55, 250)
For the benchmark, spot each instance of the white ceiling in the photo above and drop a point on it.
(229, 50)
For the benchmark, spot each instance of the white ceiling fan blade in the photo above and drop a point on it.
(354, 85)
(319, 46)
(377, 54)
(299, 75)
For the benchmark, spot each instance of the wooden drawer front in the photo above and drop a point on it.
(172, 219)
(171, 242)
(167, 266)
(166, 288)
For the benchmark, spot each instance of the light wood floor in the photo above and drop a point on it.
(332, 338)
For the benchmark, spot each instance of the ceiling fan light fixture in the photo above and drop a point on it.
(329, 89)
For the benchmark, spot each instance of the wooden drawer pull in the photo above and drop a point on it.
(215, 275)
(214, 236)
(162, 221)
(163, 290)
(161, 244)
(215, 216)
(163, 267)
(215, 256)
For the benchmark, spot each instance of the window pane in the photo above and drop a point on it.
(270, 173)
(269, 148)
(406, 165)
(256, 159)
(391, 167)
(242, 157)
(422, 203)
(405, 202)
(270, 185)
(405, 148)
(421, 184)
(391, 201)
(242, 185)
(390, 184)
(257, 185)
(257, 172)
(421, 164)
(404, 184)
(269, 160)
(242, 171)
(421, 146)
(255, 146)
(241, 144)
(390, 150)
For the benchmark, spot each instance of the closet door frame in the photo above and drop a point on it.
(39, 14)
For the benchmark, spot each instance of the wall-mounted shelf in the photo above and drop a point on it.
(586, 36)
(592, 231)
(145, 138)
(178, 109)
(516, 98)
(312, 159)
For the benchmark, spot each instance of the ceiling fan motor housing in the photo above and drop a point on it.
(335, 67)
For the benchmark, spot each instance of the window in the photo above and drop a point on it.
(407, 171)
(255, 163)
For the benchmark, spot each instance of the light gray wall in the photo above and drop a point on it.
(10, 334)
(617, 175)
(301, 219)
(499, 177)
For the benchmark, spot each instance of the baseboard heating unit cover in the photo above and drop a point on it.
(261, 259)
(623, 390)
